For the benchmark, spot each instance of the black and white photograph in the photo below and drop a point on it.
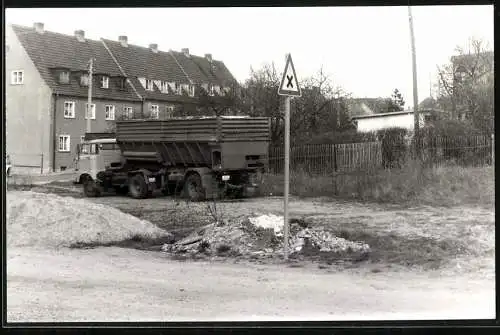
(207, 164)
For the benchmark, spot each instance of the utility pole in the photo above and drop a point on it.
(89, 102)
(415, 88)
(414, 69)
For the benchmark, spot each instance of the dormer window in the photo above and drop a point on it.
(149, 85)
(64, 77)
(104, 82)
(217, 89)
(172, 86)
(84, 79)
(163, 86)
(185, 88)
(122, 83)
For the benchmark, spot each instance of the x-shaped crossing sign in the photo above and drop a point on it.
(289, 83)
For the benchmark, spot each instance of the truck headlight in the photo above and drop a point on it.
(225, 178)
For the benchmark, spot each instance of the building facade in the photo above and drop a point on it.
(374, 122)
(47, 86)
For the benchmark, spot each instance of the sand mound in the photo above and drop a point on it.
(47, 220)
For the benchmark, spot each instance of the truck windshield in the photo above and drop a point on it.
(88, 148)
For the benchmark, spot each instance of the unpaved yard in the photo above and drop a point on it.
(115, 284)
(454, 239)
(426, 262)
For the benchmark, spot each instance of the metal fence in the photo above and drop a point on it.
(327, 159)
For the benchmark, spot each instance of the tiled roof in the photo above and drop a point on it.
(51, 50)
(190, 67)
(141, 62)
(216, 72)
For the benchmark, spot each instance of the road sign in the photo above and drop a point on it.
(289, 87)
(289, 83)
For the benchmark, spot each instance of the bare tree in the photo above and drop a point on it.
(466, 83)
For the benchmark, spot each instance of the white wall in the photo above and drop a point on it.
(27, 109)
(381, 122)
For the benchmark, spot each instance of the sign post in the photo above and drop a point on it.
(289, 87)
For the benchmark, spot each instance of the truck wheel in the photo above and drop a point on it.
(91, 190)
(137, 187)
(193, 189)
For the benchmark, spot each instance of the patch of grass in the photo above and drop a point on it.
(446, 185)
(135, 242)
(391, 248)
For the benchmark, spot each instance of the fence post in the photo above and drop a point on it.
(41, 164)
(492, 149)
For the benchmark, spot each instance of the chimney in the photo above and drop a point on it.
(209, 57)
(38, 27)
(123, 41)
(154, 47)
(185, 51)
(80, 35)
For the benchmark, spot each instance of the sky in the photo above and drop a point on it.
(364, 50)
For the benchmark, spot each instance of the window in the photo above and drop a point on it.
(211, 91)
(149, 85)
(122, 83)
(17, 77)
(107, 146)
(155, 112)
(92, 111)
(104, 82)
(128, 113)
(217, 89)
(64, 143)
(185, 87)
(172, 86)
(82, 139)
(84, 79)
(109, 112)
(191, 90)
(164, 86)
(64, 77)
(178, 89)
(169, 111)
(69, 109)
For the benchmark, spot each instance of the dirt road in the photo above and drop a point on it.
(113, 284)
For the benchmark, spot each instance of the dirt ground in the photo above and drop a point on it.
(426, 263)
(116, 284)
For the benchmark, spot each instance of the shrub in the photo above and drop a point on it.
(394, 146)
(413, 182)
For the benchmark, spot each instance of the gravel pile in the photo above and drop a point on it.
(263, 236)
(47, 220)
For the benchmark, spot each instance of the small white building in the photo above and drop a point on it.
(374, 122)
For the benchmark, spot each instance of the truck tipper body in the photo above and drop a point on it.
(204, 157)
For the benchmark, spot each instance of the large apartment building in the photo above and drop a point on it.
(47, 90)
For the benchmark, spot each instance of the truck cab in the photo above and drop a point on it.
(94, 156)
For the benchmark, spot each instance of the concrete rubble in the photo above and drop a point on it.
(262, 236)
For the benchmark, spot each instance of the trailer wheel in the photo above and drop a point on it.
(193, 188)
(90, 189)
(137, 187)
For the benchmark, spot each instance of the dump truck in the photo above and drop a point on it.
(201, 158)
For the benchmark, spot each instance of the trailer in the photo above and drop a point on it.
(203, 158)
